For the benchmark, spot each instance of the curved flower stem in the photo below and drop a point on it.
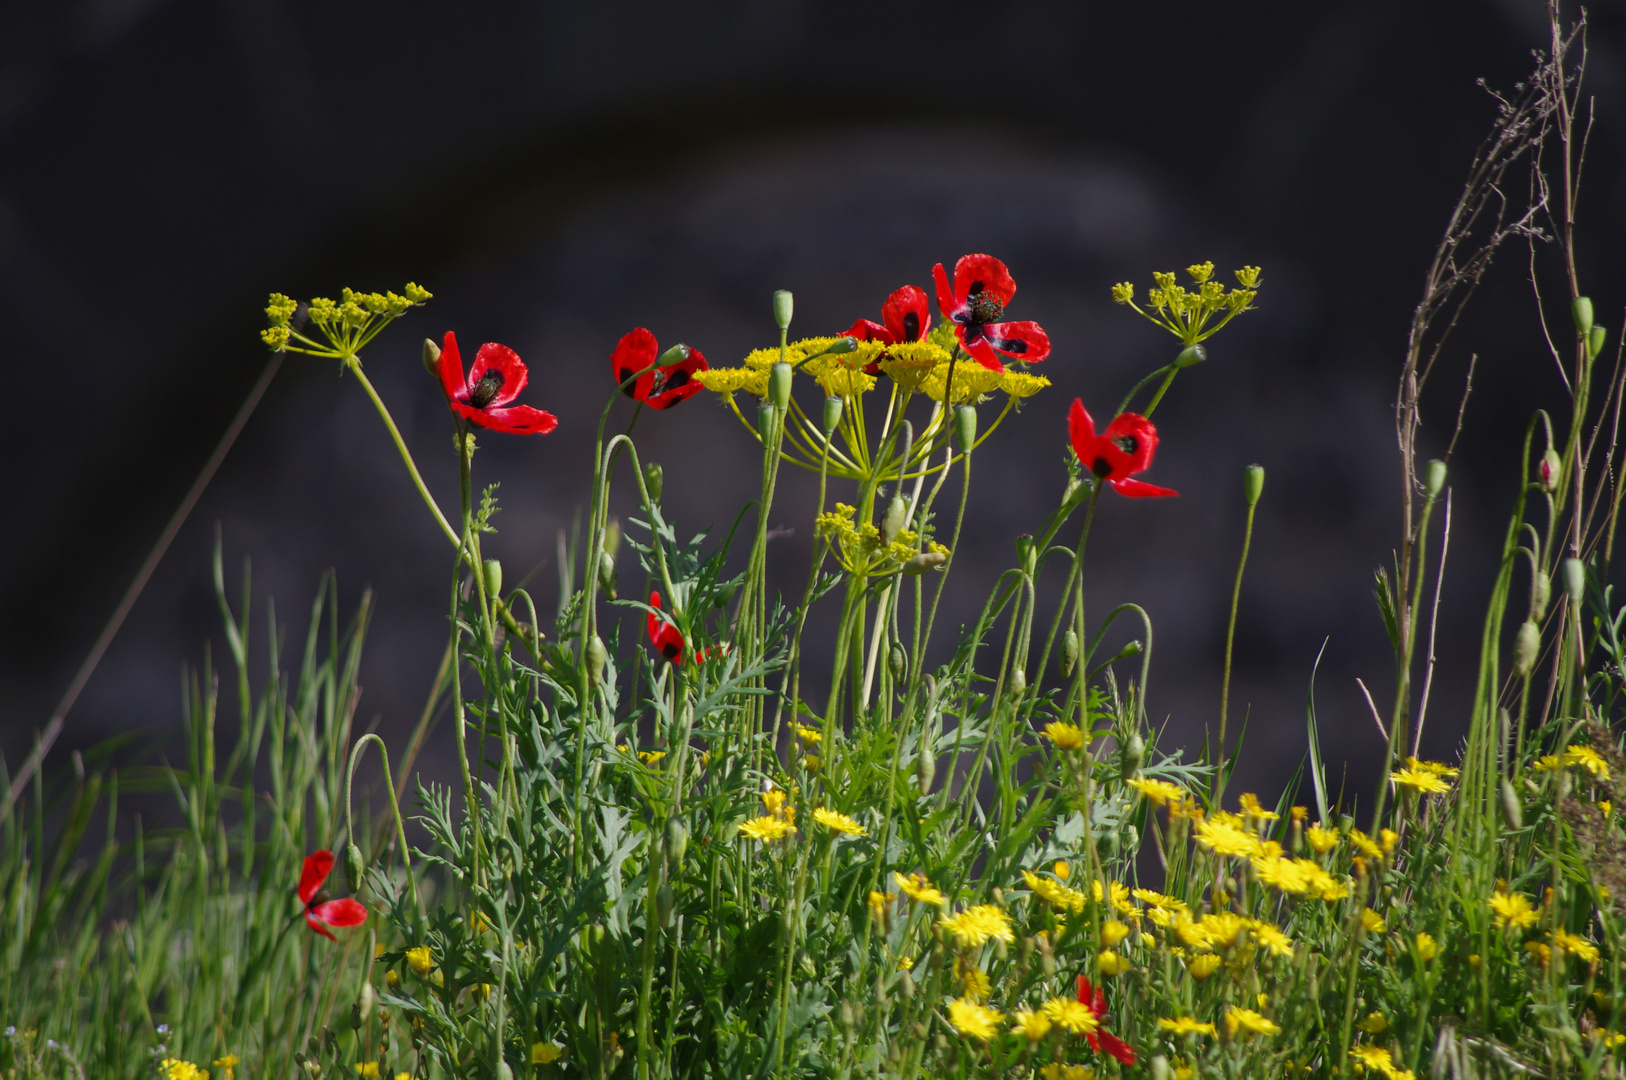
(395, 811)
(1225, 677)
(400, 445)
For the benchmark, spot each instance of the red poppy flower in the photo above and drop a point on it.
(906, 316)
(1095, 1000)
(1125, 447)
(982, 288)
(482, 397)
(665, 638)
(657, 387)
(341, 912)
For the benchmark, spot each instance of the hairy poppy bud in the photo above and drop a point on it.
(606, 574)
(926, 770)
(766, 417)
(367, 999)
(906, 986)
(1026, 554)
(1190, 356)
(1549, 470)
(783, 304)
(612, 537)
(431, 357)
(353, 867)
(965, 428)
(356, 1017)
(897, 512)
(779, 377)
(1581, 309)
(597, 657)
(1594, 342)
(1575, 579)
(677, 354)
(926, 560)
(896, 661)
(654, 479)
(1069, 652)
(505, 1071)
(1434, 477)
(832, 414)
(1541, 590)
(1512, 810)
(1130, 756)
(1253, 483)
(1526, 644)
(664, 902)
(845, 1016)
(677, 841)
(493, 577)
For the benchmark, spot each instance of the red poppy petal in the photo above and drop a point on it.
(318, 865)
(1135, 436)
(506, 363)
(668, 641)
(635, 351)
(1117, 1048)
(1085, 991)
(311, 921)
(1024, 340)
(1080, 428)
(907, 314)
(947, 302)
(976, 343)
(983, 273)
(866, 330)
(341, 912)
(677, 382)
(451, 369)
(1095, 1041)
(514, 420)
(1139, 489)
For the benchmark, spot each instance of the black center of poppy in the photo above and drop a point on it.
(482, 392)
(667, 379)
(1128, 444)
(985, 308)
(911, 326)
(1101, 467)
(672, 650)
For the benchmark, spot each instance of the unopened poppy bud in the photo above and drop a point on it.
(677, 354)
(832, 414)
(664, 901)
(766, 416)
(906, 986)
(965, 428)
(1575, 579)
(1594, 342)
(1541, 590)
(654, 479)
(1026, 554)
(925, 771)
(597, 657)
(845, 1016)
(897, 512)
(356, 1017)
(783, 304)
(1549, 470)
(1434, 477)
(926, 560)
(431, 357)
(493, 577)
(606, 574)
(1512, 809)
(1130, 756)
(367, 999)
(1019, 681)
(1069, 652)
(1190, 356)
(779, 377)
(897, 661)
(353, 867)
(677, 842)
(612, 537)
(1253, 483)
(1581, 310)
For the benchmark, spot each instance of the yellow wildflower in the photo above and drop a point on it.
(1576, 946)
(1062, 870)
(1111, 964)
(176, 1069)
(1056, 894)
(979, 924)
(908, 362)
(1237, 1020)
(835, 822)
(1426, 948)
(729, 380)
(1032, 1023)
(1112, 932)
(1321, 840)
(1203, 965)
(1588, 759)
(1019, 384)
(545, 1053)
(1223, 927)
(367, 1070)
(809, 736)
(1366, 844)
(1225, 839)
(1157, 792)
(1157, 899)
(767, 828)
(229, 1062)
(1389, 839)
(1418, 780)
(878, 902)
(650, 757)
(1071, 1014)
(1373, 922)
(420, 959)
(1274, 938)
(917, 888)
(1065, 736)
(1373, 1057)
(971, 381)
(1284, 874)
(1375, 1023)
(1539, 951)
(977, 1021)
(1512, 909)
(1252, 808)
(1055, 1071)
(1186, 1025)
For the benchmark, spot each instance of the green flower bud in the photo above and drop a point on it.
(1512, 809)
(779, 377)
(665, 900)
(1027, 556)
(368, 999)
(673, 356)
(597, 657)
(356, 1017)
(677, 841)
(926, 560)
(606, 574)
(1069, 652)
(897, 661)
(654, 478)
(1434, 477)
(906, 986)
(965, 428)
(832, 414)
(783, 304)
(1581, 310)
(1019, 682)
(505, 1071)
(493, 577)
(1575, 579)
(1594, 342)
(1541, 590)
(612, 537)
(1526, 644)
(1190, 356)
(925, 771)
(766, 417)
(1130, 756)
(845, 1016)
(1160, 1068)
(431, 357)
(353, 867)
(897, 512)
(1253, 483)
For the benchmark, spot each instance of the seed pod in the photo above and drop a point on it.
(897, 661)
(1581, 310)
(606, 575)
(845, 1017)
(926, 560)
(1526, 644)
(1549, 470)
(597, 657)
(906, 986)
(353, 867)
(767, 415)
(1512, 809)
(1575, 579)
(1019, 682)
(677, 842)
(965, 428)
(654, 479)
(926, 771)
(677, 354)
(356, 1017)
(1069, 652)
(832, 414)
(1190, 356)
(664, 901)
(1130, 756)
(1253, 483)
(897, 512)
(431, 357)
(1434, 477)
(1594, 342)
(783, 305)
(1541, 590)
(779, 377)
(493, 577)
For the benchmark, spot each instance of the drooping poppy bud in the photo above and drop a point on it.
(677, 842)
(1130, 756)
(1581, 311)
(832, 414)
(431, 358)
(353, 867)
(1019, 681)
(597, 657)
(779, 377)
(926, 560)
(1512, 809)
(925, 771)
(1575, 579)
(606, 574)
(664, 902)
(896, 661)
(767, 417)
(897, 512)
(1594, 341)
(1069, 652)
(1549, 470)
(654, 479)
(1541, 590)
(783, 305)
(1526, 644)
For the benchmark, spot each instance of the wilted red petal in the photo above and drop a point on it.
(1024, 339)
(1139, 489)
(318, 865)
(505, 362)
(451, 368)
(341, 912)
(982, 274)
(907, 315)
(674, 384)
(635, 352)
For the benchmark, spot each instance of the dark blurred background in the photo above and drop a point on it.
(559, 173)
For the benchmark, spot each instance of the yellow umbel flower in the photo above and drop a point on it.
(835, 822)
(1056, 894)
(1186, 1025)
(977, 1021)
(918, 889)
(1512, 909)
(977, 925)
(1190, 315)
(1020, 385)
(907, 363)
(730, 380)
(1157, 792)
(420, 959)
(1419, 780)
(1223, 838)
(1064, 736)
(1071, 1014)
(1576, 946)
(1246, 1020)
(971, 381)
(1032, 1023)
(767, 828)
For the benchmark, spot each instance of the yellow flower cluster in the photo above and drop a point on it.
(1378, 1059)
(918, 889)
(863, 551)
(1584, 756)
(176, 1069)
(836, 822)
(777, 823)
(977, 1021)
(978, 925)
(1512, 910)
(1188, 314)
(347, 324)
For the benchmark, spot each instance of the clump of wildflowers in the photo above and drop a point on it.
(1193, 315)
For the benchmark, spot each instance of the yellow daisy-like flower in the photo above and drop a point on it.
(1425, 783)
(1203, 965)
(1065, 736)
(1427, 949)
(1186, 1025)
(1019, 384)
(1056, 894)
(1222, 928)
(1246, 1020)
(1112, 932)
(878, 902)
(769, 827)
(1389, 839)
(1158, 792)
(1365, 844)
(1375, 1023)
(1512, 909)
(1587, 758)
(1111, 964)
(1120, 897)
(229, 1062)
(1577, 946)
(1157, 899)
(978, 925)
(1252, 808)
(835, 822)
(420, 959)
(1032, 1023)
(917, 888)
(1373, 1057)
(1284, 874)
(1373, 922)
(650, 757)
(977, 1021)
(1434, 767)
(1223, 838)
(1056, 1071)
(367, 1070)
(1273, 938)
(1071, 1014)
(1321, 840)
(809, 736)
(545, 1053)
(176, 1069)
